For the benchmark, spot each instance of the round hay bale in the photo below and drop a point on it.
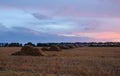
(45, 49)
(55, 48)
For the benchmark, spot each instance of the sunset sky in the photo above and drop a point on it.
(59, 20)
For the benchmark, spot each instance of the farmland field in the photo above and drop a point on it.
(82, 61)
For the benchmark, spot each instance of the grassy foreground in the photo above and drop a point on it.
(84, 61)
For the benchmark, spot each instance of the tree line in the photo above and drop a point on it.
(80, 44)
(11, 45)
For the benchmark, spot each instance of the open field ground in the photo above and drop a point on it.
(82, 61)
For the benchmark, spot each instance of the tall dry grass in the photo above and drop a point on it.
(84, 61)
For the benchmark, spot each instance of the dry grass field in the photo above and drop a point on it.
(83, 61)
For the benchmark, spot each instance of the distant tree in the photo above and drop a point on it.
(14, 45)
(43, 44)
(30, 43)
(6, 44)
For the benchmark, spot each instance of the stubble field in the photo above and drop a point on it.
(82, 61)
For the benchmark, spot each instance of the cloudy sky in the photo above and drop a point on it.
(59, 20)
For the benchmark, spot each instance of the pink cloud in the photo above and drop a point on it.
(97, 36)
